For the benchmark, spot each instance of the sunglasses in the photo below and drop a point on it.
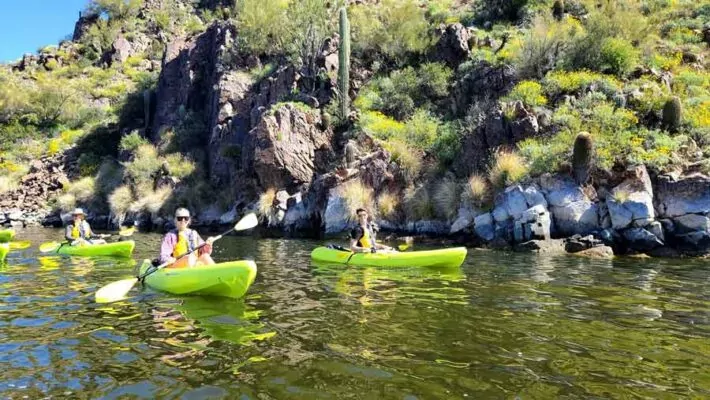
(362, 215)
(182, 218)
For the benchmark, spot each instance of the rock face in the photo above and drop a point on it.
(28, 203)
(452, 46)
(83, 24)
(288, 148)
(572, 211)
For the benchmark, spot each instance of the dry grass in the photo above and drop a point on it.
(266, 202)
(154, 201)
(476, 190)
(66, 202)
(179, 166)
(357, 195)
(7, 184)
(387, 204)
(83, 190)
(446, 199)
(408, 158)
(418, 204)
(120, 200)
(508, 168)
(621, 196)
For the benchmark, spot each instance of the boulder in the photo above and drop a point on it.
(632, 199)
(336, 217)
(429, 227)
(85, 21)
(229, 217)
(561, 191)
(464, 220)
(452, 46)
(682, 196)
(525, 123)
(603, 252)
(579, 243)
(121, 49)
(533, 196)
(286, 146)
(578, 217)
(641, 239)
(484, 227)
(479, 82)
(691, 223)
(656, 228)
(548, 247)
(514, 201)
(500, 214)
(375, 170)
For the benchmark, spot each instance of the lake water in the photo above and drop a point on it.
(503, 326)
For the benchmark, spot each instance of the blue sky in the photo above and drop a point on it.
(26, 25)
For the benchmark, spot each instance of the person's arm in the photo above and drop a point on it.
(167, 247)
(87, 229)
(207, 249)
(67, 233)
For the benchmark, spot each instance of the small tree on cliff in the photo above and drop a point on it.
(344, 65)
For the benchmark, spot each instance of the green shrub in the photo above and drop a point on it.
(115, 9)
(394, 28)
(400, 93)
(421, 130)
(266, 203)
(380, 125)
(144, 165)
(447, 146)
(544, 46)
(618, 56)
(132, 141)
(179, 166)
(264, 26)
(560, 82)
(88, 164)
(528, 92)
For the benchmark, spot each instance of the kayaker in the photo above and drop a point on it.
(362, 237)
(182, 240)
(79, 232)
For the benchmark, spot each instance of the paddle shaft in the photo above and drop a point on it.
(163, 265)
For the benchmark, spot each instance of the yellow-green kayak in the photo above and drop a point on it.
(229, 279)
(6, 235)
(116, 249)
(444, 258)
(4, 249)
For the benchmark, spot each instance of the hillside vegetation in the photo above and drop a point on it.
(632, 74)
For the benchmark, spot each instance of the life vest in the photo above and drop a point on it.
(366, 240)
(79, 231)
(185, 242)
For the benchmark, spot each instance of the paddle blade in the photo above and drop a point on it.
(249, 221)
(403, 247)
(20, 245)
(127, 232)
(115, 291)
(49, 247)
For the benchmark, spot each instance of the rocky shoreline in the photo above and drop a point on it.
(667, 216)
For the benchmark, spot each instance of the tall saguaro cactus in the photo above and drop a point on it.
(344, 64)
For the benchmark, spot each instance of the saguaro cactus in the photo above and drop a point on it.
(582, 157)
(344, 64)
(672, 113)
(558, 9)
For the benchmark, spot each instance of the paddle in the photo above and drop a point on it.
(117, 290)
(20, 245)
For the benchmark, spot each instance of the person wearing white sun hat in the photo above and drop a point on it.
(78, 231)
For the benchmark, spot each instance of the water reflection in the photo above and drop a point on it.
(502, 326)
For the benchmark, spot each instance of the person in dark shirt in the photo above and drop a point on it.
(362, 237)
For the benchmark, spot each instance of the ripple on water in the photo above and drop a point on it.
(502, 326)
